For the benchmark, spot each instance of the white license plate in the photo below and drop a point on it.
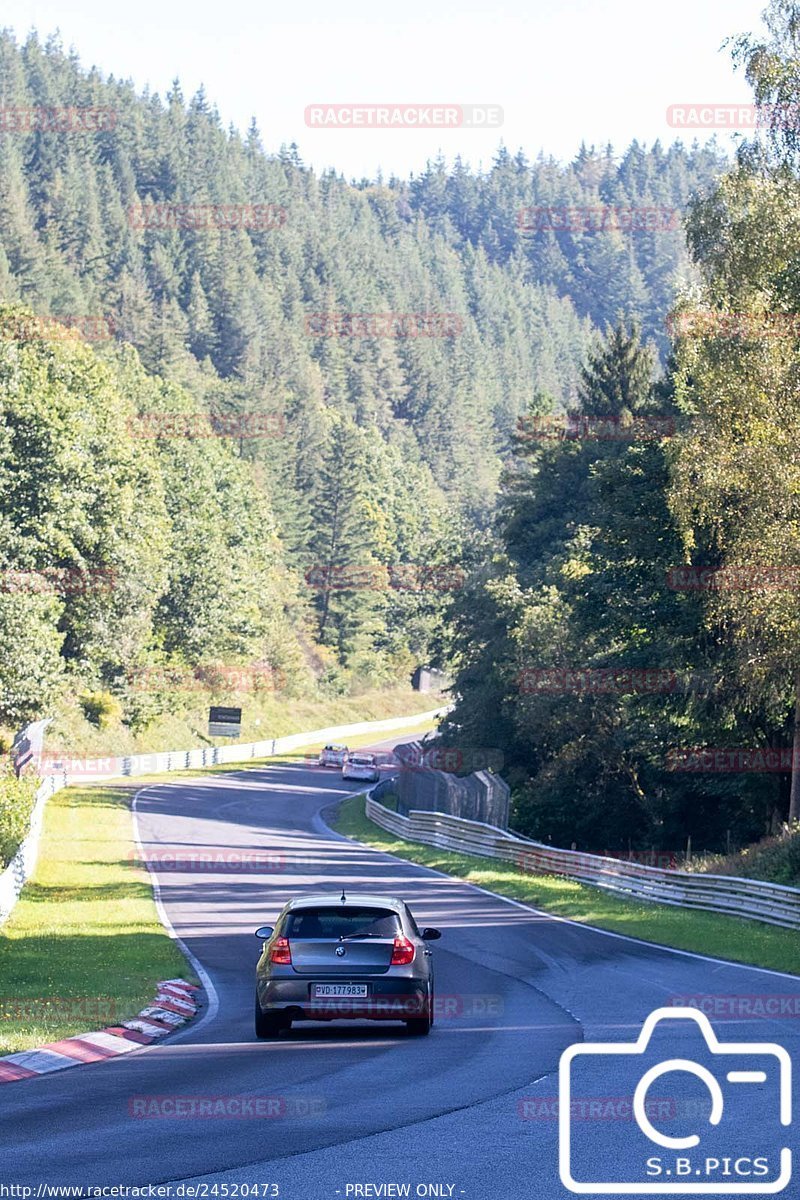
(322, 991)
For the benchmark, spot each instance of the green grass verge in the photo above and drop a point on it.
(704, 933)
(84, 945)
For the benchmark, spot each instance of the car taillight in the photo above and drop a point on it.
(281, 952)
(402, 951)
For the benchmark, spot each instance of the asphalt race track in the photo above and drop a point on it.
(469, 1109)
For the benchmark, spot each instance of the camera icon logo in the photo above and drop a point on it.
(730, 1101)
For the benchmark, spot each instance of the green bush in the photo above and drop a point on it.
(30, 677)
(774, 859)
(143, 708)
(16, 803)
(335, 682)
(102, 709)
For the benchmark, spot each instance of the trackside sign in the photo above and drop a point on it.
(224, 722)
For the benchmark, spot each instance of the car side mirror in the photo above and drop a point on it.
(264, 932)
(431, 935)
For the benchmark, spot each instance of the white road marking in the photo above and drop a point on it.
(202, 973)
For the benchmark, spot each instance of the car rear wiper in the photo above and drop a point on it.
(349, 937)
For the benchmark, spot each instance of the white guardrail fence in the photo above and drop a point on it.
(738, 897)
(22, 865)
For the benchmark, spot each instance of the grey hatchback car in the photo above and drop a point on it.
(331, 957)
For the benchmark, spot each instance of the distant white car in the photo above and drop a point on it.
(361, 766)
(334, 755)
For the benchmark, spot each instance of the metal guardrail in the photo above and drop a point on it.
(740, 897)
(21, 867)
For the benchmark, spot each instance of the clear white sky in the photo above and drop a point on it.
(562, 70)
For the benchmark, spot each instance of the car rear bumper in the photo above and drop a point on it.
(388, 1000)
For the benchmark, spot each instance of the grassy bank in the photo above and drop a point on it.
(704, 933)
(774, 859)
(264, 715)
(84, 945)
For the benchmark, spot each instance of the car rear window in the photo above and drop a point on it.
(338, 922)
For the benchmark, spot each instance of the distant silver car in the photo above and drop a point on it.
(334, 755)
(335, 957)
(361, 766)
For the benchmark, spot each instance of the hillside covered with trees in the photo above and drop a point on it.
(311, 504)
